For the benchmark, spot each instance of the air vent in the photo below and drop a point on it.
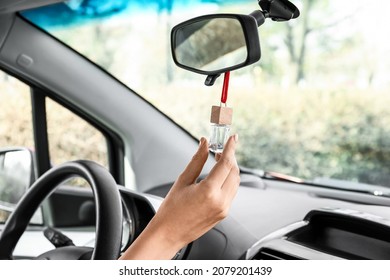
(270, 254)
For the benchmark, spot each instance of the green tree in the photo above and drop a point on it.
(316, 17)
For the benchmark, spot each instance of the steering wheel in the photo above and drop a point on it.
(108, 212)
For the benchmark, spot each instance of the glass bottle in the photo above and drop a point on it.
(221, 120)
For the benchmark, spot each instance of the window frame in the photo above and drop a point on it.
(38, 95)
(115, 146)
(115, 155)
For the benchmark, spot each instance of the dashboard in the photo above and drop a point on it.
(307, 222)
(272, 219)
(329, 233)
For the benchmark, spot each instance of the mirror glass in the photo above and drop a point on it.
(15, 175)
(210, 44)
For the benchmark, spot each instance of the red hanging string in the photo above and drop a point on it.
(225, 88)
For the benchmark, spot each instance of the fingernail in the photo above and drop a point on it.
(235, 137)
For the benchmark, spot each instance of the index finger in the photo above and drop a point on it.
(226, 162)
(194, 167)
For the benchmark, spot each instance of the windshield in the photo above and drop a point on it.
(315, 106)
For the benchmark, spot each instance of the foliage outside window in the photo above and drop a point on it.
(315, 106)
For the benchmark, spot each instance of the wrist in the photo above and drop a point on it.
(154, 243)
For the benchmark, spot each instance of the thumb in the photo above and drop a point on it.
(195, 166)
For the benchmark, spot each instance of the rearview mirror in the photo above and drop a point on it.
(214, 44)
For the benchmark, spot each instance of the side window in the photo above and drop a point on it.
(72, 138)
(16, 142)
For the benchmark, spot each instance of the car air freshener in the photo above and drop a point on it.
(221, 120)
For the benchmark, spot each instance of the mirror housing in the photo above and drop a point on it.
(217, 43)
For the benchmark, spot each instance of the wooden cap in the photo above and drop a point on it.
(221, 115)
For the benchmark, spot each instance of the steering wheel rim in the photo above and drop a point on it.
(107, 203)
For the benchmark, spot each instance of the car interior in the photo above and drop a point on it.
(122, 182)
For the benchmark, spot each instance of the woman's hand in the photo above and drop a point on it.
(190, 209)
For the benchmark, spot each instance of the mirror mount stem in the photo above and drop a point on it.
(260, 16)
